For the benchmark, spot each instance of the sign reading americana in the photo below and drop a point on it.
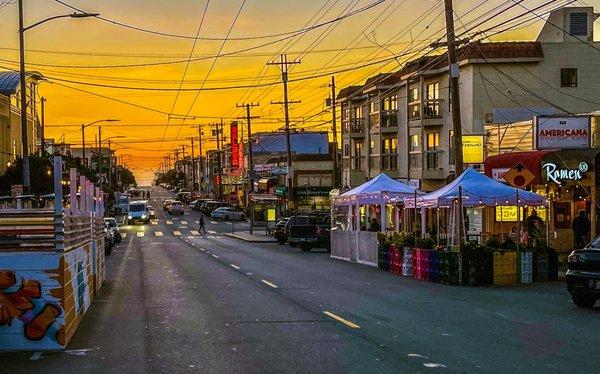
(562, 132)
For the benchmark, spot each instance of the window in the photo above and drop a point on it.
(414, 160)
(433, 141)
(414, 111)
(413, 95)
(578, 24)
(389, 146)
(389, 158)
(414, 143)
(568, 77)
(358, 112)
(433, 91)
(432, 107)
(390, 103)
(373, 106)
(358, 148)
(372, 147)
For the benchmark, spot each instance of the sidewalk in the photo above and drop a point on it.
(258, 236)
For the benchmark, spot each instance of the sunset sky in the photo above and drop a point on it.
(86, 44)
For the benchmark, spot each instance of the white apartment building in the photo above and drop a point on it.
(400, 123)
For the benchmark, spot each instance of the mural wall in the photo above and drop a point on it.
(43, 297)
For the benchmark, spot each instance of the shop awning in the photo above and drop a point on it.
(476, 190)
(495, 165)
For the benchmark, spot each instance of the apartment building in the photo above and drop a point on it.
(11, 145)
(400, 123)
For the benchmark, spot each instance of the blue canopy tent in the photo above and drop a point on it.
(476, 190)
(378, 188)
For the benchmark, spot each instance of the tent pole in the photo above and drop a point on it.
(415, 220)
(460, 219)
(437, 226)
(518, 221)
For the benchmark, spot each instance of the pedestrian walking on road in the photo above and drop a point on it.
(202, 228)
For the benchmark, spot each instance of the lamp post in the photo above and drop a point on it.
(83, 132)
(23, 85)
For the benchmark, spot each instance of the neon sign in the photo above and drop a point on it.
(556, 175)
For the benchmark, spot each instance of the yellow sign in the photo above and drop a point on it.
(507, 213)
(271, 215)
(472, 149)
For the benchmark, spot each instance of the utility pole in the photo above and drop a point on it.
(109, 166)
(193, 167)
(454, 89)
(201, 171)
(23, 89)
(218, 126)
(335, 137)
(283, 65)
(249, 118)
(100, 157)
(43, 128)
(455, 97)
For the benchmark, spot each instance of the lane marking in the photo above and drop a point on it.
(273, 285)
(158, 233)
(140, 234)
(214, 255)
(177, 233)
(197, 222)
(214, 222)
(342, 320)
(155, 222)
(194, 232)
(169, 222)
(235, 266)
(183, 222)
(211, 232)
(203, 250)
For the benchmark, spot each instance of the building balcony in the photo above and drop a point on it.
(433, 113)
(355, 128)
(389, 121)
(433, 165)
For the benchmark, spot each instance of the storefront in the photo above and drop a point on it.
(312, 198)
(233, 189)
(566, 177)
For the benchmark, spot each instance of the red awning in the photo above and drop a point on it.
(531, 160)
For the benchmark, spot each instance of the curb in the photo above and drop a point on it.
(250, 240)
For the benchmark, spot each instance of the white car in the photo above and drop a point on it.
(227, 213)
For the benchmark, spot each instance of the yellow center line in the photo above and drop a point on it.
(342, 320)
(269, 284)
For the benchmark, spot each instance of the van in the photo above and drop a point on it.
(138, 211)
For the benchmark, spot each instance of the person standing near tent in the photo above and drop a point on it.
(374, 226)
(581, 229)
(534, 226)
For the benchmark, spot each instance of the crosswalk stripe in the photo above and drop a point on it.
(140, 234)
(212, 232)
(155, 222)
(194, 232)
(169, 222)
(177, 233)
(198, 222)
(158, 233)
(214, 222)
(184, 222)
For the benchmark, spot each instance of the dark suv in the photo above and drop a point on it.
(583, 275)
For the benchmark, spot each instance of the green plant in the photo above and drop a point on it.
(493, 243)
(383, 239)
(425, 243)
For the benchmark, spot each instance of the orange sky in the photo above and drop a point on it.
(91, 42)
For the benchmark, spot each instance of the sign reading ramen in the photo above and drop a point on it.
(558, 175)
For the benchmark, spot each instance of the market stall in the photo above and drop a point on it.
(359, 214)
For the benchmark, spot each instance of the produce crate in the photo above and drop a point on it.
(448, 268)
(383, 258)
(477, 268)
(407, 263)
(525, 267)
(505, 267)
(433, 274)
(540, 266)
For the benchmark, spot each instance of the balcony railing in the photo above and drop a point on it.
(389, 118)
(433, 159)
(358, 163)
(354, 126)
(432, 108)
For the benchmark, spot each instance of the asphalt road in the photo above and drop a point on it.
(176, 301)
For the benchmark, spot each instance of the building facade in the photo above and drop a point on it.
(400, 123)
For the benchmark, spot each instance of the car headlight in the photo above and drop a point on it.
(129, 217)
(143, 216)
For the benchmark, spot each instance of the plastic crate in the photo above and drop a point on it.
(407, 270)
(525, 267)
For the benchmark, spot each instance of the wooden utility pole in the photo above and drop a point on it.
(193, 167)
(454, 89)
(43, 128)
(283, 65)
(456, 120)
(200, 171)
(335, 137)
(249, 118)
(220, 176)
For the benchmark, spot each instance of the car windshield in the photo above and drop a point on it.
(137, 207)
(176, 204)
(595, 244)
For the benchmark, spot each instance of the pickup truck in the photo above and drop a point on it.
(309, 231)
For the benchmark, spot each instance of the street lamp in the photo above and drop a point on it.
(90, 124)
(23, 86)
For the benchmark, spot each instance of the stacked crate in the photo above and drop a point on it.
(525, 267)
(433, 262)
(477, 268)
(407, 268)
(448, 268)
(395, 260)
(505, 267)
(383, 257)
(540, 267)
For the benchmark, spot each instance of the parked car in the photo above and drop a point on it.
(196, 204)
(122, 204)
(279, 232)
(309, 231)
(209, 206)
(583, 275)
(112, 225)
(176, 207)
(166, 204)
(181, 196)
(139, 211)
(227, 213)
